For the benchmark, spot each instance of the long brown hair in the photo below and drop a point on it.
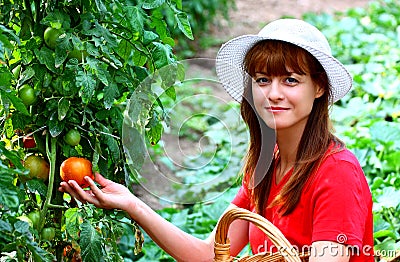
(275, 57)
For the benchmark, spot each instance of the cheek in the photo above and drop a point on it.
(259, 95)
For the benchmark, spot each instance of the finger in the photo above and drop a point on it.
(101, 179)
(69, 188)
(85, 196)
(93, 187)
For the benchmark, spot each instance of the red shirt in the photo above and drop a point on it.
(334, 206)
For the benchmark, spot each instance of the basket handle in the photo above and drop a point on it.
(222, 246)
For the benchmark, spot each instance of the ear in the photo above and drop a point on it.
(319, 92)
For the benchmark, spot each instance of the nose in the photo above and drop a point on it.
(275, 90)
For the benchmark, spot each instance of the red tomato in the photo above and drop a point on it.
(29, 142)
(76, 168)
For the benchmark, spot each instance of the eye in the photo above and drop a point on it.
(291, 80)
(261, 81)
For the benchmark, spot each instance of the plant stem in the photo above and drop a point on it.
(56, 206)
(51, 155)
(29, 9)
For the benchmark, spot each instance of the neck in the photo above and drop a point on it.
(287, 141)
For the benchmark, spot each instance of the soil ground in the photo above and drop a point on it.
(247, 18)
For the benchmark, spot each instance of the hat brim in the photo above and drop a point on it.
(230, 71)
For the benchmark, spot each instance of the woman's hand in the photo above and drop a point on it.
(111, 195)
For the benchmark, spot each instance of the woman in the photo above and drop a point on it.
(310, 186)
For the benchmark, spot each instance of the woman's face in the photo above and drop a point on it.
(284, 102)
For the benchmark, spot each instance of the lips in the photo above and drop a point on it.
(276, 109)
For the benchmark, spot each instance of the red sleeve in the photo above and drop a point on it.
(342, 202)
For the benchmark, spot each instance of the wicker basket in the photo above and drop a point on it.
(222, 246)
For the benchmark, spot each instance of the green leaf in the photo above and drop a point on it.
(9, 197)
(45, 57)
(90, 243)
(124, 49)
(55, 126)
(16, 101)
(385, 132)
(162, 55)
(5, 226)
(184, 25)
(21, 227)
(154, 129)
(149, 37)
(160, 26)
(111, 92)
(390, 198)
(384, 233)
(87, 83)
(180, 75)
(61, 51)
(152, 4)
(100, 69)
(36, 185)
(27, 74)
(135, 18)
(13, 157)
(5, 77)
(100, 6)
(112, 145)
(139, 58)
(57, 19)
(73, 219)
(63, 108)
(38, 253)
(178, 4)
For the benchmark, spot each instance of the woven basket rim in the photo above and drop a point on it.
(222, 244)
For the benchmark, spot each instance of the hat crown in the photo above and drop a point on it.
(296, 31)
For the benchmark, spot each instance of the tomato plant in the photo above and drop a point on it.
(76, 168)
(75, 65)
(72, 137)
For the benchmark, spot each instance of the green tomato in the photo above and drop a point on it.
(38, 167)
(50, 37)
(78, 54)
(34, 216)
(27, 95)
(73, 137)
(48, 233)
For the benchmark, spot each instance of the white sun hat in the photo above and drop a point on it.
(229, 61)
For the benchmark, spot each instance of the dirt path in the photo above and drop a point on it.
(250, 15)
